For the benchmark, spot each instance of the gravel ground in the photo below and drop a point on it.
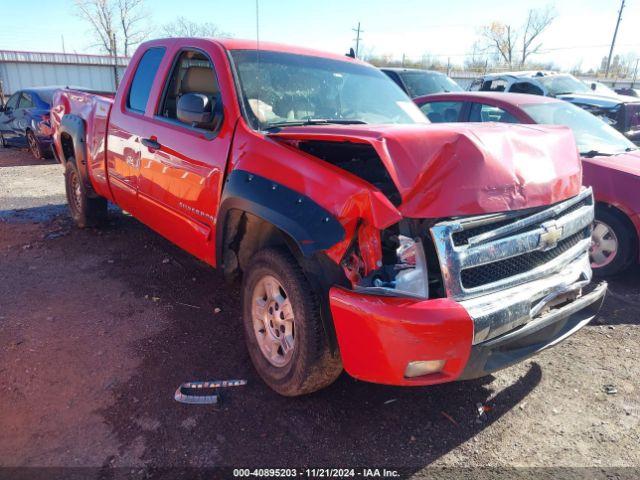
(99, 327)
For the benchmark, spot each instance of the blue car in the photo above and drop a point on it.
(24, 121)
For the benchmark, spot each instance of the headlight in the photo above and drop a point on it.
(408, 277)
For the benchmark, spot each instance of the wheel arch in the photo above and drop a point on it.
(257, 213)
(73, 136)
(621, 213)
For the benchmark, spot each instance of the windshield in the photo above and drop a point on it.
(591, 133)
(561, 84)
(278, 89)
(426, 83)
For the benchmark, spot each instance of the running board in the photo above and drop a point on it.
(197, 392)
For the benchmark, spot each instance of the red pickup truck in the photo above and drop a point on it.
(365, 238)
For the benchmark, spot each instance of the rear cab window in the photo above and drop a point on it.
(143, 79)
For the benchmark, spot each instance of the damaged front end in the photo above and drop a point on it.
(465, 248)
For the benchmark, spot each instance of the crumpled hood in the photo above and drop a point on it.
(444, 170)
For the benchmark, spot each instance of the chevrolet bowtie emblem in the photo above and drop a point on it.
(550, 236)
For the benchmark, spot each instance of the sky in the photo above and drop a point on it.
(580, 35)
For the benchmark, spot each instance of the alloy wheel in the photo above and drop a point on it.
(273, 321)
(604, 245)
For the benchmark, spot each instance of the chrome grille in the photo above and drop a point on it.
(485, 253)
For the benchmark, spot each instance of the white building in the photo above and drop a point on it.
(39, 69)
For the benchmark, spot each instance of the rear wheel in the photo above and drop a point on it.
(613, 242)
(34, 145)
(282, 326)
(85, 211)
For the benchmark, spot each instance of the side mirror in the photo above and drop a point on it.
(195, 109)
(593, 86)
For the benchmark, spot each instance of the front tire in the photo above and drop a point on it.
(613, 242)
(85, 211)
(283, 330)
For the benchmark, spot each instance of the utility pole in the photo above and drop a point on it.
(635, 73)
(63, 49)
(403, 60)
(613, 41)
(357, 39)
(114, 50)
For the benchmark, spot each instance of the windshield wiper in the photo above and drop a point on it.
(595, 153)
(316, 121)
(631, 149)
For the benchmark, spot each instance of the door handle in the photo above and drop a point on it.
(151, 143)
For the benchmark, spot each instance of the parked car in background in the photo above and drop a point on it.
(416, 82)
(611, 163)
(361, 239)
(620, 111)
(630, 92)
(24, 121)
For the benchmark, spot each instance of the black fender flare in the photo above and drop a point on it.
(310, 226)
(74, 126)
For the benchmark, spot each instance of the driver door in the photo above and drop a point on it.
(182, 165)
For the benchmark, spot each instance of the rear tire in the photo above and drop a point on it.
(34, 145)
(85, 211)
(614, 242)
(308, 364)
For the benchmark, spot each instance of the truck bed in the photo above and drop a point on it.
(94, 109)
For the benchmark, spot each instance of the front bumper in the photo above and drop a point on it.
(378, 336)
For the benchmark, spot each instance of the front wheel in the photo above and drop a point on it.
(85, 211)
(283, 330)
(613, 242)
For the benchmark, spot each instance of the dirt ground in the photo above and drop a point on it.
(99, 327)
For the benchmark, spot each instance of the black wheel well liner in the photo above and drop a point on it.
(256, 213)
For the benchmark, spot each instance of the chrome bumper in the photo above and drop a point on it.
(537, 335)
(503, 311)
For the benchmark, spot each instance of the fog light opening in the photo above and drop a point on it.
(423, 367)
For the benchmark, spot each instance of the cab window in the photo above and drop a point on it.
(25, 101)
(497, 85)
(481, 112)
(192, 72)
(143, 79)
(12, 103)
(526, 87)
(439, 112)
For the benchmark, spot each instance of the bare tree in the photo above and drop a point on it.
(132, 16)
(183, 27)
(504, 39)
(537, 21)
(117, 25)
